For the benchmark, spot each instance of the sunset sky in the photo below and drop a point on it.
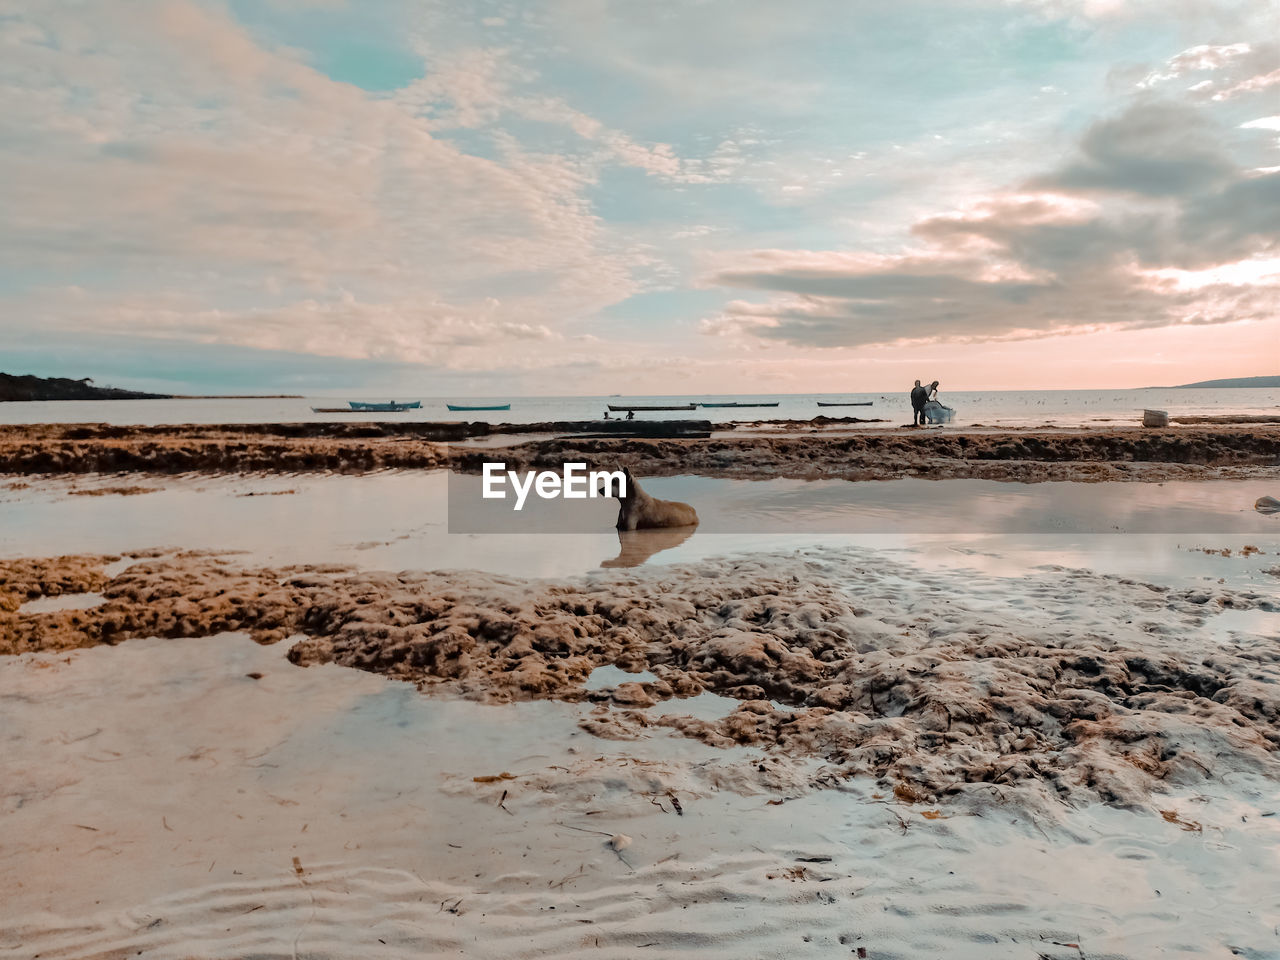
(616, 196)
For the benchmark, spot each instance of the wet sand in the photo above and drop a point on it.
(1090, 454)
(202, 797)
(807, 754)
(938, 687)
(965, 744)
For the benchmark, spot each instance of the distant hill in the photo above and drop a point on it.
(1233, 382)
(59, 388)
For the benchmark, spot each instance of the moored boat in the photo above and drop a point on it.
(855, 403)
(391, 406)
(736, 404)
(490, 406)
(623, 408)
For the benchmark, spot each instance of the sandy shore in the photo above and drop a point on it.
(835, 752)
(975, 745)
(203, 797)
(842, 656)
(1091, 454)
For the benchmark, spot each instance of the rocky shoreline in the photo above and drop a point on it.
(1188, 453)
(1097, 690)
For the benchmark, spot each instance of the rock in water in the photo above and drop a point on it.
(1155, 418)
(1267, 505)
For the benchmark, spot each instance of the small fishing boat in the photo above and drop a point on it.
(736, 404)
(623, 408)
(492, 406)
(391, 406)
(857, 403)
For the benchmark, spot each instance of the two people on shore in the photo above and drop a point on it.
(919, 397)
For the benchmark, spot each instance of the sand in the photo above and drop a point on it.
(954, 750)
(203, 797)
(1094, 454)
(1076, 686)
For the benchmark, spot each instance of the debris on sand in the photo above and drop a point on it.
(123, 491)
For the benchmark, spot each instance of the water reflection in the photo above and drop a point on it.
(637, 546)
(397, 521)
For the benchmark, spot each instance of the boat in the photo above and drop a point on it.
(856, 403)
(491, 406)
(623, 408)
(391, 406)
(735, 404)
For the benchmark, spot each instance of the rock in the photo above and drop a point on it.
(632, 695)
(1267, 505)
(1155, 418)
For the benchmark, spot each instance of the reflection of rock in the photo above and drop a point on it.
(1267, 505)
(637, 546)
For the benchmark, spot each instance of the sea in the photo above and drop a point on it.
(1003, 408)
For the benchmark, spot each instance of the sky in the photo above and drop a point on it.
(463, 197)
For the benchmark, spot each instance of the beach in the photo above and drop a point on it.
(974, 693)
(694, 481)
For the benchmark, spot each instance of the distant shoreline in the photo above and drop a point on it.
(33, 389)
(1227, 384)
(163, 396)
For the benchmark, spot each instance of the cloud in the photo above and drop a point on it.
(1219, 72)
(1149, 224)
(1196, 60)
(1155, 148)
(204, 182)
(1254, 84)
(166, 148)
(341, 326)
(477, 88)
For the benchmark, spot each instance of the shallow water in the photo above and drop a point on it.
(158, 800)
(1246, 627)
(67, 601)
(602, 678)
(400, 521)
(179, 797)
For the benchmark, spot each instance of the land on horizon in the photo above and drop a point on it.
(1272, 381)
(33, 388)
(29, 387)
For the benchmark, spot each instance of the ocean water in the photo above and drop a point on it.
(989, 407)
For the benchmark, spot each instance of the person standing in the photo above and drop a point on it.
(934, 411)
(919, 396)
